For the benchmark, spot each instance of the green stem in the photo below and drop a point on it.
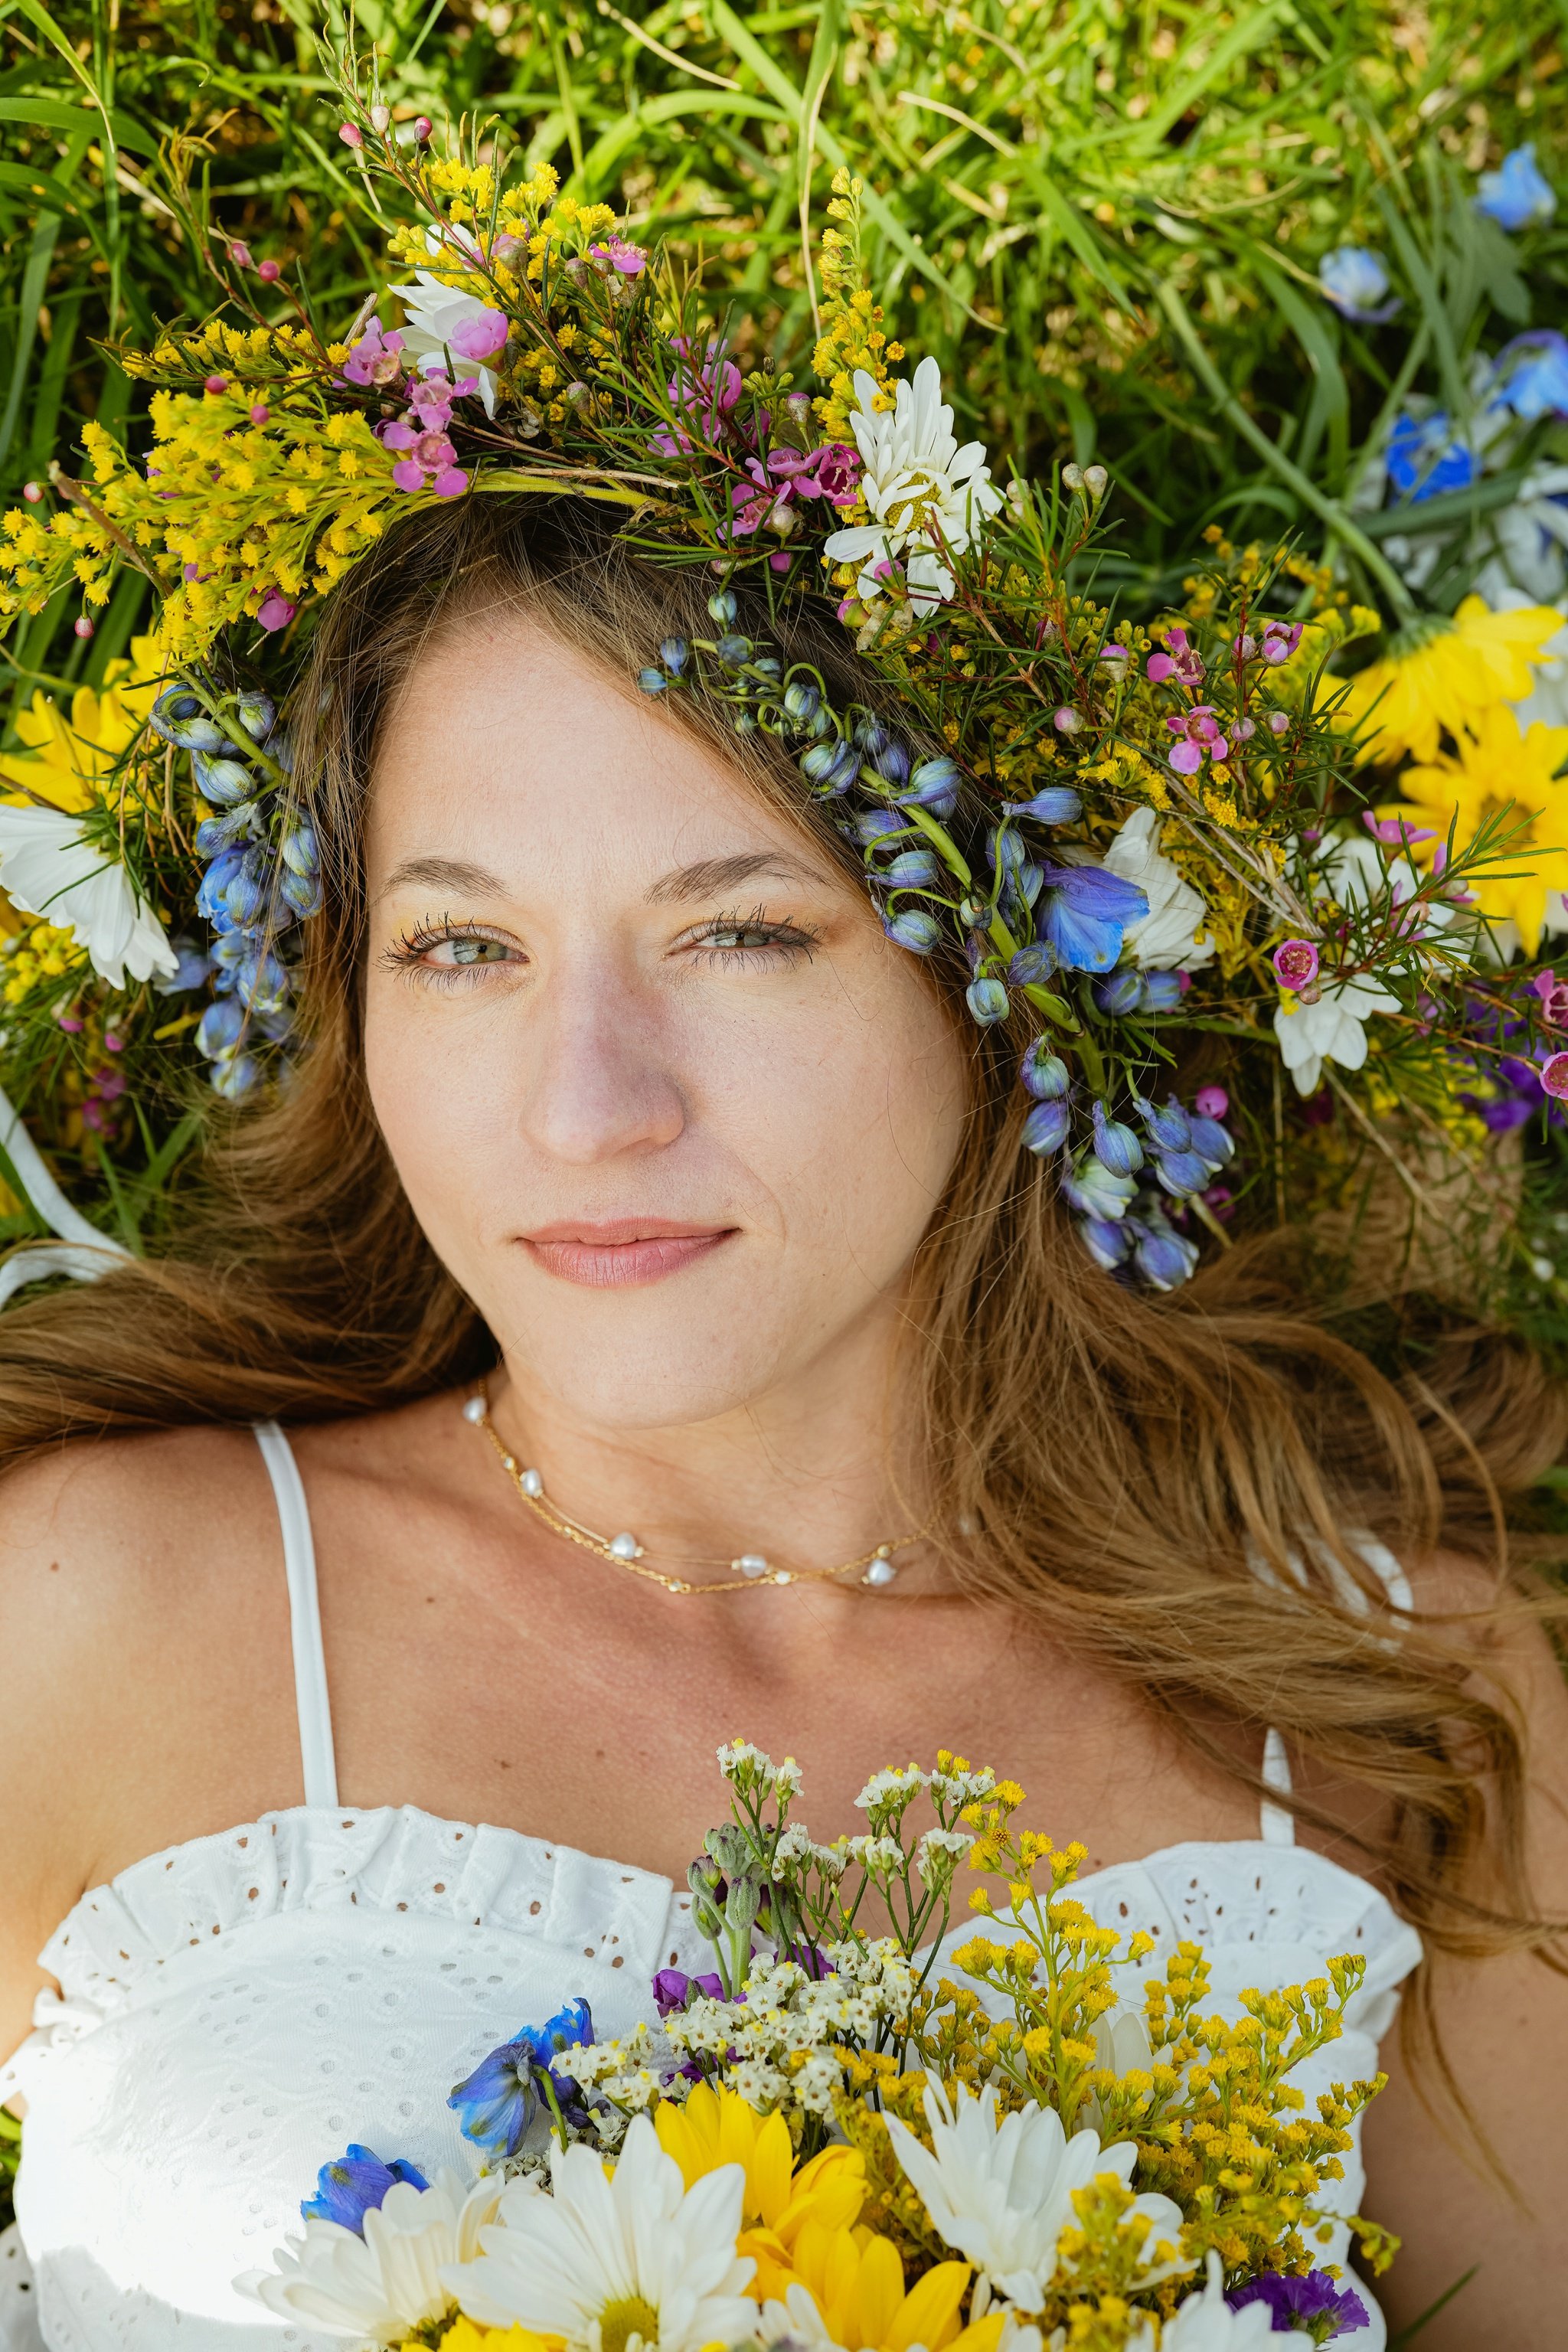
(1329, 510)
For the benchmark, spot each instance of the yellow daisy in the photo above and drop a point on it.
(848, 2291)
(1500, 769)
(71, 760)
(720, 2127)
(1445, 682)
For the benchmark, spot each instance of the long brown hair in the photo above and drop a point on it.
(1175, 1482)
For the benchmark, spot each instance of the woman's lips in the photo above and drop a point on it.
(621, 1255)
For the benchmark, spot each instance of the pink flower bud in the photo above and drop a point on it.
(1295, 963)
(422, 126)
(82, 626)
(269, 270)
(114, 1045)
(1279, 722)
(32, 492)
(351, 134)
(1554, 1077)
(277, 610)
(1066, 720)
(1211, 1102)
(240, 256)
(380, 116)
(260, 413)
(70, 1024)
(216, 383)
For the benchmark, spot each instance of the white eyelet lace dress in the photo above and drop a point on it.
(232, 2012)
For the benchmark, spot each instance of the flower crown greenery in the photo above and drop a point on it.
(1154, 845)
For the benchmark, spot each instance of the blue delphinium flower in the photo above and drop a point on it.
(1056, 805)
(1423, 462)
(987, 1000)
(914, 929)
(1330, 2311)
(1535, 383)
(499, 2100)
(355, 2184)
(1045, 1128)
(1163, 1257)
(1356, 281)
(1115, 1145)
(1516, 195)
(1083, 912)
(1094, 1192)
(1044, 1075)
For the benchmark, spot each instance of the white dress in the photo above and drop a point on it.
(233, 2011)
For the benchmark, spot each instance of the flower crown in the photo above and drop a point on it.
(1147, 843)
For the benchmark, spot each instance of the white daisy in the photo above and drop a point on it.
(383, 2284)
(616, 2259)
(48, 868)
(438, 317)
(928, 497)
(1169, 937)
(1205, 2322)
(1000, 2189)
(1332, 1029)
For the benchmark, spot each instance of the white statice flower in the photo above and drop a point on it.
(390, 2281)
(746, 1767)
(965, 1788)
(792, 2029)
(794, 1844)
(1332, 1029)
(926, 497)
(880, 1856)
(891, 1789)
(999, 2190)
(939, 1854)
(1171, 936)
(48, 868)
(614, 2261)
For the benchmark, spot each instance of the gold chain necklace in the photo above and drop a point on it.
(873, 1568)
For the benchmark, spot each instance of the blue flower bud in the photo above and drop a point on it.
(301, 893)
(193, 969)
(1182, 1174)
(215, 833)
(1211, 1142)
(744, 723)
(1116, 1147)
(722, 608)
(1163, 1257)
(219, 1028)
(1032, 964)
(258, 714)
(1169, 1128)
(1043, 1074)
(1121, 992)
(261, 983)
(299, 849)
(974, 911)
(934, 785)
(914, 929)
(876, 825)
(652, 681)
(227, 954)
(1161, 991)
(1045, 1128)
(215, 883)
(1106, 1242)
(769, 663)
(172, 709)
(1029, 881)
(673, 654)
(1094, 1192)
(1004, 848)
(280, 748)
(911, 869)
(871, 736)
(802, 701)
(892, 762)
(1057, 804)
(831, 765)
(222, 782)
(988, 1001)
(235, 1077)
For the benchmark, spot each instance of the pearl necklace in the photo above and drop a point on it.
(876, 1569)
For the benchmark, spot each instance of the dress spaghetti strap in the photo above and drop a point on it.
(1277, 1824)
(311, 1697)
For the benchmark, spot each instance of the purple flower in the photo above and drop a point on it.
(276, 609)
(480, 337)
(355, 2184)
(497, 2101)
(1554, 995)
(673, 1989)
(430, 457)
(1180, 659)
(375, 358)
(1330, 2311)
(704, 394)
(1197, 738)
(1295, 963)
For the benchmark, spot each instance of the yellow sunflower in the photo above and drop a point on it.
(69, 760)
(1501, 769)
(1449, 681)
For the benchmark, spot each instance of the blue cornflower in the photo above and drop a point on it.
(1516, 195)
(1084, 911)
(1423, 462)
(1330, 2311)
(355, 2184)
(499, 2099)
(1355, 280)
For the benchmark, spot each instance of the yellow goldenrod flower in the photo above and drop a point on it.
(1500, 769)
(1445, 682)
(70, 759)
(715, 2128)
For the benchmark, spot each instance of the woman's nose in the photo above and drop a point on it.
(599, 1080)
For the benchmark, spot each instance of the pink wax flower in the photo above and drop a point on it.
(269, 270)
(82, 626)
(1554, 995)
(1280, 639)
(351, 134)
(834, 473)
(1180, 659)
(1197, 738)
(70, 1024)
(1554, 1077)
(1279, 722)
(430, 457)
(240, 256)
(260, 413)
(375, 359)
(480, 338)
(422, 126)
(1211, 1102)
(1396, 831)
(216, 383)
(1295, 963)
(33, 493)
(629, 259)
(277, 610)
(704, 394)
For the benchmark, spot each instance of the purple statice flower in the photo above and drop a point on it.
(375, 359)
(704, 394)
(355, 2184)
(673, 1989)
(1328, 2311)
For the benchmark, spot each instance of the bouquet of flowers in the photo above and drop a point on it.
(853, 2135)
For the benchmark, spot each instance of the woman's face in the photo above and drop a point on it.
(671, 1110)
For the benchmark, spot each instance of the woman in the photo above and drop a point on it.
(620, 1098)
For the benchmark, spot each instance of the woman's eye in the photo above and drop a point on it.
(737, 936)
(744, 935)
(470, 951)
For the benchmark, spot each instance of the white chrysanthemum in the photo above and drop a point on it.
(616, 2259)
(1205, 2322)
(999, 2190)
(389, 2282)
(48, 868)
(432, 315)
(1167, 938)
(1332, 1029)
(928, 497)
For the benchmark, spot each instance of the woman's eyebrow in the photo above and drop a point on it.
(443, 874)
(710, 875)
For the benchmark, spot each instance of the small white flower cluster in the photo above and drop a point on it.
(797, 1845)
(788, 2036)
(961, 1789)
(749, 1768)
(939, 1854)
(879, 1857)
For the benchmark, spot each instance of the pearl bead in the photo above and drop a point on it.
(626, 1547)
(474, 1410)
(784, 1577)
(751, 1563)
(532, 1483)
(882, 1571)
(508, 1462)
